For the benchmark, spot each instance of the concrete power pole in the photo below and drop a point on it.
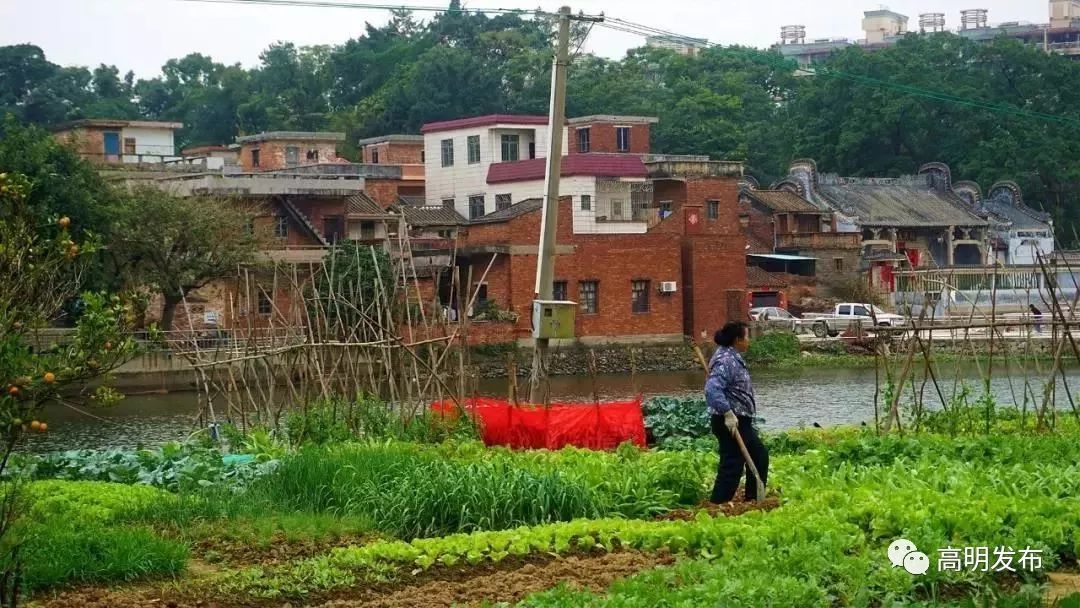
(545, 263)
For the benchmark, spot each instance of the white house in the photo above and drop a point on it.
(484, 164)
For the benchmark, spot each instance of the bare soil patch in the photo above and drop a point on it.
(727, 509)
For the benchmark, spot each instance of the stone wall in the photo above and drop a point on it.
(574, 361)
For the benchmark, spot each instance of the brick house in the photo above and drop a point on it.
(793, 228)
(392, 150)
(482, 164)
(682, 274)
(275, 150)
(107, 141)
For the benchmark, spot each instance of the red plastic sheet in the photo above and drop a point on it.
(588, 425)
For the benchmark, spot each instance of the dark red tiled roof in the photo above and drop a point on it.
(756, 277)
(483, 121)
(599, 165)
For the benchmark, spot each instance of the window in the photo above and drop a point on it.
(255, 157)
(558, 291)
(586, 202)
(712, 210)
(423, 157)
(510, 147)
(838, 264)
(583, 140)
(622, 138)
(367, 231)
(589, 297)
(481, 294)
(476, 206)
(129, 145)
(448, 203)
(860, 311)
(616, 209)
(665, 209)
(313, 155)
(639, 296)
(281, 226)
(447, 146)
(333, 228)
(473, 146)
(265, 305)
(374, 157)
(292, 156)
(532, 149)
(502, 201)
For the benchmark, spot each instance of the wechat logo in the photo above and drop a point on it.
(903, 553)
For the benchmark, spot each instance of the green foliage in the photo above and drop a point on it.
(368, 417)
(676, 418)
(354, 281)
(173, 466)
(68, 535)
(190, 242)
(773, 347)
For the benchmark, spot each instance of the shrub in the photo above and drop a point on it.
(773, 347)
(674, 418)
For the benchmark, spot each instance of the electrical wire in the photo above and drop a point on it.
(371, 6)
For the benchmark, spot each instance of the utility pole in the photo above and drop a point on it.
(545, 259)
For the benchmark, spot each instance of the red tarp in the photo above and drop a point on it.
(587, 425)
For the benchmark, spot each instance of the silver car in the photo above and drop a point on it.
(775, 318)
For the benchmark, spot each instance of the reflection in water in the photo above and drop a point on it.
(786, 399)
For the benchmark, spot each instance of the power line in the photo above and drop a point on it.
(372, 6)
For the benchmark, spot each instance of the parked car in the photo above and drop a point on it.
(775, 318)
(848, 314)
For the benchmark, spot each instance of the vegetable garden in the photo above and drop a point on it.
(379, 520)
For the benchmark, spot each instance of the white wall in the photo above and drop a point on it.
(576, 187)
(149, 141)
(463, 180)
(1022, 252)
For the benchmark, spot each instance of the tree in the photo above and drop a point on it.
(179, 244)
(42, 266)
(354, 282)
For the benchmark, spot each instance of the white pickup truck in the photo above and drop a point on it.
(846, 315)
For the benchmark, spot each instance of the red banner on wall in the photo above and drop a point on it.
(587, 425)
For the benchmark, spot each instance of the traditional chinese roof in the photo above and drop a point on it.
(362, 204)
(516, 210)
(781, 201)
(756, 277)
(484, 121)
(598, 165)
(901, 202)
(423, 216)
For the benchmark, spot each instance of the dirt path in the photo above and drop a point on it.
(593, 572)
(728, 509)
(1062, 585)
(507, 581)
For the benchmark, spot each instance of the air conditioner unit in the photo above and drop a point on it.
(668, 287)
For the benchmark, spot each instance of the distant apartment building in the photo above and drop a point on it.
(107, 141)
(680, 44)
(485, 164)
(883, 28)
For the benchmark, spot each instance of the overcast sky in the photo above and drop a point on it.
(141, 35)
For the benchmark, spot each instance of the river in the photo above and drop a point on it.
(787, 398)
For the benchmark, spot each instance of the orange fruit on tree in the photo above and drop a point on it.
(44, 427)
(49, 377)
(108, 346)
(35, 425)
(13, 390)
(64, 222)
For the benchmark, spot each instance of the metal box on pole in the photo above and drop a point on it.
(553, 319)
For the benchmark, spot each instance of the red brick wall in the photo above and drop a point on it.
(272, 154)
(602, 138)
(395, 153)
(383, 191)
(88, 143)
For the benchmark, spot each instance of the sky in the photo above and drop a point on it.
(141, 35)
